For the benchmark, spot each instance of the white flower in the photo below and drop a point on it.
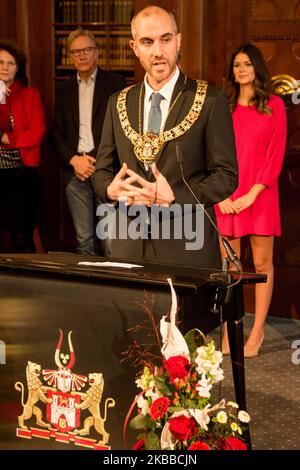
(140, 383)
(232, 404)
(243, 416)
(143, 405)
(152, 394)
(146, 380)
(222, 417)
(203, 386)
(201, 416)
(217, 375)
(208, 361)
(167, 440)
(174, 343)
(204, 392)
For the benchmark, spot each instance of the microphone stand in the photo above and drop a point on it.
(223, 280)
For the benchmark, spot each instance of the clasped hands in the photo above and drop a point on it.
(228, 206)
(84, 166)
(131, 188)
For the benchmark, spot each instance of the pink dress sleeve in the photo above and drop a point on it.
(270, 170)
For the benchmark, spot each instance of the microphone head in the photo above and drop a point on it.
(179, 156)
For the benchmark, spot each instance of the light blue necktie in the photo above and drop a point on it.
(154, 118)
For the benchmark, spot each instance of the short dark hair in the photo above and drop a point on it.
(262, 89)
(20, 58)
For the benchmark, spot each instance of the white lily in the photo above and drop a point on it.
(174, 343)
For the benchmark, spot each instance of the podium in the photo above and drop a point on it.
(102, 306)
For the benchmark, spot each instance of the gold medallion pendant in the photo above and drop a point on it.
(147, 146)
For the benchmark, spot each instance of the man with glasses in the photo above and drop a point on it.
(79, 114)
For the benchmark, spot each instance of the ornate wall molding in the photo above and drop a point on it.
(272, 37)
(252, 19)
(293, 149)
(250, 9)
(276, 21)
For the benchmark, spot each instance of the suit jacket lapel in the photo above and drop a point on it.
(180, 98)
(98, 92)
(174, 116)
(74, 102)
(135, 111)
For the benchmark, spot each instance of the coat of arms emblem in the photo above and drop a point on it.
(65, 394)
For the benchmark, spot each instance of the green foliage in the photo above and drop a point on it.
(194, 339)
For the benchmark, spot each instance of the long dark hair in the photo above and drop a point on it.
(20, 58)
(261, 84)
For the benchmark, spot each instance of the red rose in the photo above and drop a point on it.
(178, 367)
(183, 428)
(139, 445)
(199, 445)
(231, 443)
(159, 407)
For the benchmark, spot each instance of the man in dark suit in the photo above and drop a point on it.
(148, 131)
(79, 114)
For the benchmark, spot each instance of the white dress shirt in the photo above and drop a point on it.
(166, 91)
(86, 94)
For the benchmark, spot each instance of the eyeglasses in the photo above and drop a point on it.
(85, 51)
(9, 63)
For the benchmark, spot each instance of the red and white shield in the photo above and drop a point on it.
(61, 412)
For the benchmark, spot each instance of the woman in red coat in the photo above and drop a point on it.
(22, 126)
(259, 121)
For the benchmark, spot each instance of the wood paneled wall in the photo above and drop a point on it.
(8, 28)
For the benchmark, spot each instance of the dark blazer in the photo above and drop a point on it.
(209, 161)
(65, 129)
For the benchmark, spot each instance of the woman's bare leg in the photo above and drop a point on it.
(262, 252)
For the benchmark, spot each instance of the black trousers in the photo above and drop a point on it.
(18, 208)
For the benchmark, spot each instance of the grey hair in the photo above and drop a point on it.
(80, 32)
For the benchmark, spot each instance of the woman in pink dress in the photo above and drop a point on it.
(259, 121)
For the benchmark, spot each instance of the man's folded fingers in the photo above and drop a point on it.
(133, 188)
(137, 178)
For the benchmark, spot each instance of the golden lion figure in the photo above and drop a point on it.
(35, 393)
(91, 401)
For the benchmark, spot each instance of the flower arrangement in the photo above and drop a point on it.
(175, 407)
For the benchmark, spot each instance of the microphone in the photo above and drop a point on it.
(232, 256)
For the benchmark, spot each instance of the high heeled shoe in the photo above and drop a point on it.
(253, 352)
(226, 352)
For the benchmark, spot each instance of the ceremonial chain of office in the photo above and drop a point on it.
(147, 144)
